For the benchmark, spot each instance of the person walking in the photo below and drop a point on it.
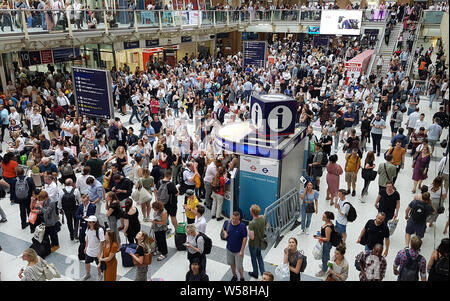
(34, 271)
(377, 125)
(23, 190)
(256, 243)
(421, 165)
(235, 232)
(108, 256)
(310, 204)
(388, 201)
(398, 157)
(372, 264)
(386, 172)
(334, 171)
(69, 200)
(352, 166)
(294, 258)
(416, 214)
(368, 174)
(374, 232)
(404, 269)
(343, 207)
(325, 239)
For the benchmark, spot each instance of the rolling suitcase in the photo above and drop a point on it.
(43, 249)
(127, 260)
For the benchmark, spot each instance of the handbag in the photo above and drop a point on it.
(282, 270)
(147, 260)
(440, 209)
(444, 143)
(369, 174)
(317, 251)
(222, 234)
(310, 208)
(39, 233)
(50, 271)
(135, 196)
(144, 195)
(102, 266)
(392, 225)
(32, 217)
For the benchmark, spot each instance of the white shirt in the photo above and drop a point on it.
(36, 119)
(15, 116)
(200, 224)
(59, 154)
(342, 219)
(93, 243)
(443, 165)
(413, 118)
(81, 184)
(52, 191)
(63, 101)
(76, 192)
(67, 125)
(420, 124)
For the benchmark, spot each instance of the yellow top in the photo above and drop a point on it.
(191, 204)
(353, 163)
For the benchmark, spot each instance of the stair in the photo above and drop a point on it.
(386, 51)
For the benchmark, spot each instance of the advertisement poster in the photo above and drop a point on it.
(341, 22)
(258, 183)
(46, 57)
(92, 92)
(255, 53)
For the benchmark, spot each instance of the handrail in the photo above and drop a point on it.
(376, 52)
(410, 61)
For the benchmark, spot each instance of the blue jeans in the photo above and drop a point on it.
(383, 115)
(306, 217)
(432, 96)
(367, 249)
(411, 110)
(134, 113)
(326, 255)
(44, 23)
(257, 259)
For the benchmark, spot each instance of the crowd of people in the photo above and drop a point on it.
(78, 164)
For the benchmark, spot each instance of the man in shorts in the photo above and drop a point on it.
(236, 236)
(95, 242)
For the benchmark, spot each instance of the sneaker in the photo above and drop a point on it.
(213, 217)
(306, 231)
(156, 253)
(347, 192)
(54, 248)
(3, 220)
(161, 257)
(320, 273)
(353, 193)
(86, 277)
(234, 278)
(252, 275)
(219, 219)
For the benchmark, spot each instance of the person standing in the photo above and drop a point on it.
(218, 192)
(416, 214)
(352, 166)
(334, 171)
(434, 133)
(113, 212)
(108, 255)
(398, 157)
(407, 255)
(159, 226)
(195, 246)
(23, 189)
(372, 264)
(368, 169)
(310, 204)
(374, 232)
(377, 125)
(339, 270)
(256, 234)
(190, 206)
(388, 201)
(9, 174)
(210, 173)
(69, 200)
(444, 171)
(143, 247)
(386, 172)
(294, 258)
(47, 207)
(95, 243)
(235, 233)
(421, 165)
(96, 195)
(437, 196)
(325, 239)
(34, 271)
(343, 206)
(131, 219)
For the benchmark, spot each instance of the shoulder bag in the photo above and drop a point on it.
(222, 234)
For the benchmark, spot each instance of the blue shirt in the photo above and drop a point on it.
(236, 235)
(50, 168)
(4, 116)
(150, 131)
(95, 191)
(310, 197)
(349, 115)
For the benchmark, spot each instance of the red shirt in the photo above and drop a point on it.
(9, 169)
(154, 104)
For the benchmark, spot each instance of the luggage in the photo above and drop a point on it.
(127, 260)
(43, 249)
(81, 255)
(180, 239)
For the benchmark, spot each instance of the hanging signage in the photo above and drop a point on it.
(151, 43)
(66, 54)
(153, 50)
(46, 57)
(131, 45)
(255, 53)
(186, 39)
(93, 92)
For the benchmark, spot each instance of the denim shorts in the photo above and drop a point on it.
(341, 228)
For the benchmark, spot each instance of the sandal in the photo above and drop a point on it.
(161, 257)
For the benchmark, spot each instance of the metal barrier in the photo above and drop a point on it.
(281, 214)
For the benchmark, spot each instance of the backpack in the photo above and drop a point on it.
(22, 189)
(441, 268)
(418, 213)
(410, 269)
(96, 231)
(335, 237)
(216, 188)
(324, 161)
(351, 214)
(207, 246)
(67, 169)
(68, 200)
(163, 192)
(304, 262)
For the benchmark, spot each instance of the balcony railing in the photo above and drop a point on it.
(32, 21)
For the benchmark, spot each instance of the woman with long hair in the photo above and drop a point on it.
(218, 187)
(334, 171)
(325, 239)
(121, 158)
(113, 212)
(369, 164)
(34, 271)
(37, 154)
(146, 181)
(440, 255)
(109, 255)
(294, 258)
(420, 165)
(132, 225)
(339, 269)
(143, 247)
(437, 195)
(159, 226)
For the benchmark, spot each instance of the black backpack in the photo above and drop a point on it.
(418, 213)
(440, 269)
(324, 161)
(410, 269)
(351, 214)
(335, 237)
(68, 200)
(304, 262)
(96, 231)
(207, 246)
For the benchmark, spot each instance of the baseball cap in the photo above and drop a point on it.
(91, 218)
(189, 192)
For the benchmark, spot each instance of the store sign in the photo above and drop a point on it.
(93, 92)
(186, 39)
(371, 31)
(66, 54)
(153, 50)
(255, 53)
(151, 43)
(131, 45)
(46, 57)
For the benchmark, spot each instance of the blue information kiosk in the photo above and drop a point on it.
(271, 153)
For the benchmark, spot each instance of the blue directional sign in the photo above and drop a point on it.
(93, 92)
(255, 53)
